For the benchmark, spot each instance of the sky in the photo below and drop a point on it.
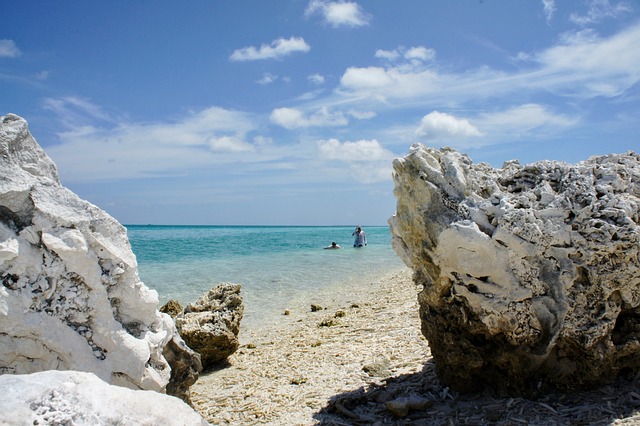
(277, 112)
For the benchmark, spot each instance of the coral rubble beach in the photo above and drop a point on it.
(348, 354)
(363, 360)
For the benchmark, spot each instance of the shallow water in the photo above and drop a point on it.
(274, 264)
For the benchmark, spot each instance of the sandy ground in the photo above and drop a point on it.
(361, 359)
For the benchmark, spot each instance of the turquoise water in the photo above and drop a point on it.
(273, 264)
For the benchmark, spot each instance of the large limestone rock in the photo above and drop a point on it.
(211, 325)
(531, 273)
(77, 398)
(70, 297)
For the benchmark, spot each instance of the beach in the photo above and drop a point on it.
(361, 359)
(285, 373)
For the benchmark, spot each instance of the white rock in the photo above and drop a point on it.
(70, 297)
(78, 398)
(531, 273)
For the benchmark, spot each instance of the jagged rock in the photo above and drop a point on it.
(185, 368)
(78, 398)
(70, 298)
(211, 325)
(531, 273)
(172, 308)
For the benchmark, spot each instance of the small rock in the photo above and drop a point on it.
(378, 368)
(211, 325)
(330, 322)
(298, 380)
(401, 406)
(172, 308)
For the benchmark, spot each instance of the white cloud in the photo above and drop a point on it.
(368, 160)
(420, 53)
(366, 78)
(522, 120)
(267, 78)
(389, 55)
(508, 125)
(584, 64)
(362, 150)
(292, 118)
(581, 65)
(119, 149)
(549, 8)
(316, 79)
(439, 125)
(230, 144)
(362, 115)
(599, 10)
(8, 49)
(277, 49)
(338, 13)
(414, 54)
(76, 112)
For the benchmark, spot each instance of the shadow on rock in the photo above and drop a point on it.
(421, 399)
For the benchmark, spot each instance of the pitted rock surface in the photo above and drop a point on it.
(211, 324)
(531, 273)
(71, 298)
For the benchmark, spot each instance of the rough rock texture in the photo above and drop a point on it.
(531, 273)
(172, 308)
(78, 398)
(185, 368)
(210, 326)
(70, 297)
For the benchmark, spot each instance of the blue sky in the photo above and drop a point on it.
(291, 112)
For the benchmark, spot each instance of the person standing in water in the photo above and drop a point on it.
(360, 239)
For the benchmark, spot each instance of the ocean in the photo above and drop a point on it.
(274, 264)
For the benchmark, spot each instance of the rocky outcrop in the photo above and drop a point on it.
(211, 325)
(531, 273)
(70, 297)
(78, 398)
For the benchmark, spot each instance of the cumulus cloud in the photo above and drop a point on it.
(368, 160)
(599, 10)
(316, 79)
(292, 118)
(389, 55)
(417, 53)
(439, 125)
(362, 150)
(277, 49)
(366, 78)
(420, 53)
(8, 49)
(338, 13)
